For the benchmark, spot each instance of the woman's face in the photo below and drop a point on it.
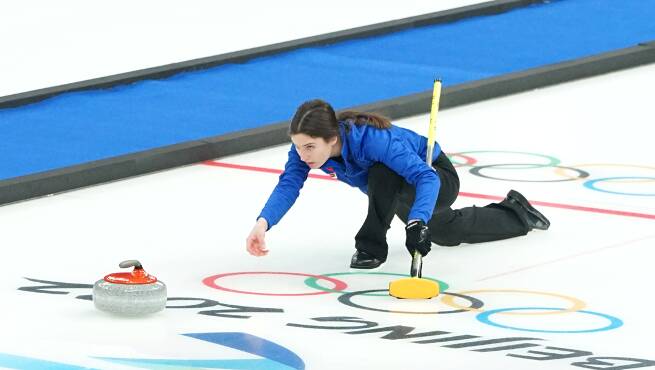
(314, 151)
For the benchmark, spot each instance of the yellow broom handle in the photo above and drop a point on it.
(417, 259)
(432, 130)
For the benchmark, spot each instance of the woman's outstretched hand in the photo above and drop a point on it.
(255, 243)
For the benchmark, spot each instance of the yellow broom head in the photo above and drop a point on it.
(413, 287)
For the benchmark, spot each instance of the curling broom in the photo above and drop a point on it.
(415, 286)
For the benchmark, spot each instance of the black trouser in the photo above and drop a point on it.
(389, 194)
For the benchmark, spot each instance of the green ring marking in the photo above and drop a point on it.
(312, 282)
(552, 160)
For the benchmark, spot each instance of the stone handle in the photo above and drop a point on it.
(130, 263)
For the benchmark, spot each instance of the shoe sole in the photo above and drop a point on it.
(533, 211)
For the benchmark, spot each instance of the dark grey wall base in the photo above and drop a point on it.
(56, 181)
(111, 169)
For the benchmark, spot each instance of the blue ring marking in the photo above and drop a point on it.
(31, 363)
(591, 185)
(483, 317)
(177, 364)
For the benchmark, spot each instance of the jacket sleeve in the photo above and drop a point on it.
(286, 191)
(384, 147)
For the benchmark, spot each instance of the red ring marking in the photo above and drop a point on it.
(261, 169)
(211, 282)
(470, 161)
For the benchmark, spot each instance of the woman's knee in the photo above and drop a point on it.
(445, 240)
(442, 229)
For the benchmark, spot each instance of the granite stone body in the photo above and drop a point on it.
(129, 299)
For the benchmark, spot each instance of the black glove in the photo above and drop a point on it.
(418, 238)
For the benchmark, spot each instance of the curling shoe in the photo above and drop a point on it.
(533, 218)
(363, 260)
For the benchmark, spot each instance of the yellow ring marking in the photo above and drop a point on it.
(576, 305)
(562, 172)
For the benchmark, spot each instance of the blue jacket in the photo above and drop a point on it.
(400, 149)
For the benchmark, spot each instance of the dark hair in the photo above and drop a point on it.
(316, 118)
(360, 118)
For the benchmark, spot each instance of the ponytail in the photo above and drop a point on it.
(316, 118)
(360, 118)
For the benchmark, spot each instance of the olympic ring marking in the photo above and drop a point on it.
(313, 282)
(211, 282)
(552, 161)
(559, 170)
(591, 184)
(475, 170)
(447, 298)
(346, 299)
(483, 317)
(577, 304)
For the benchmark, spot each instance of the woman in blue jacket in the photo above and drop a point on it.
(387, 163)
